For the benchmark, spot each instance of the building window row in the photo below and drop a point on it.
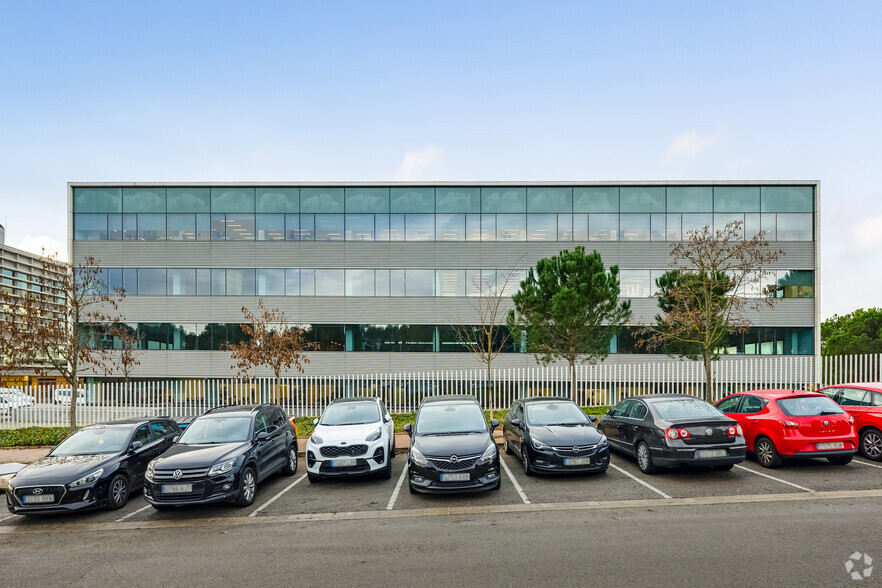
(635, 283)
(445, 199)
(426, 338)
(508, 227)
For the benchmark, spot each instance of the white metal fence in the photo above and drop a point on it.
(306, 395)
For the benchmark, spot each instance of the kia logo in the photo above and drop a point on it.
(177, 475)
(38, 490)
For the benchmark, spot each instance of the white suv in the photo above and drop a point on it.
(62, 395)
(354, 436)
(16, 398)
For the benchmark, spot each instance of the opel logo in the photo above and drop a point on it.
(577, 449)
(177, 475)
(38, 490)
(453, 459)
(709, 432)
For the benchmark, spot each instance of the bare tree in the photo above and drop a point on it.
(269, 341)
(127, 348)
(64, 337)
(715, 277)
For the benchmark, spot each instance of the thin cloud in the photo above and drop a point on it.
(867, 234)
(692, 143)
(421, 164)
(37, 243)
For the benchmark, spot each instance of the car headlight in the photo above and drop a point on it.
(148, 475)
(488, 455)
(603, 441)
(221, 468)
(417, 457)
(375, 435)
(90, 479)
(537, 444)
(316, 440)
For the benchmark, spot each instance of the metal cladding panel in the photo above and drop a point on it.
(789, 312)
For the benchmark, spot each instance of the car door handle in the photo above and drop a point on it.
(754, 421)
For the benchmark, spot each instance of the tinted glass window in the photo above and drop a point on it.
(753, 404)
(217, 429)
(541, 414)
(729, 404)
(160, 429)
(854, 397)
(685, 408)
(621, 408)
(800, 406)
(350, 413)
(92, 441)
(450, 417)
(142, 435)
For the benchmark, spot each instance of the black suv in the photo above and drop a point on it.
(222, 456)
(451, 447)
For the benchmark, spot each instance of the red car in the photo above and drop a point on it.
(864, 403)
(792, 423)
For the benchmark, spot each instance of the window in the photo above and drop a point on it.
(621, 409)
(635, 227)
(690, 199)
(412, 200)
(419, 282)
(328, 227)
(142, 435)
(234, 200)
(367, 200)
(788, 199)
(541, 227)
(270, 282)
(360, 282)
(329, 282)
(753, 404)
(550, 200)
(603, 227)
(277, 200)
(736, 199)
(642, 199)
(513, 227)
(181, 227)
(240, 282)
(854, 397)
(261, 423)
(729, 405)
(450, 227)
(503, 200)
(151, 282)
(638, 411)
(270, 227)
(151, 227)
(359, 227)
(188, 199)
(160, 429)
(143, 199)
(181, 282)
(596, 199)
(458, 200)
(90, 227)
(419, 227)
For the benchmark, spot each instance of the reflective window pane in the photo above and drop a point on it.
(396, 228)
(634, 227)
(321, 199)
(768, 225)
(182, 336)
(722, 220)
(751, 225)
(240, 227)
(143, 199)
(90, 227)
(419, 227)
(488, 227)
(696, 223)
(412, 200)
(503, 200)
(97, 200)
(580, 227)
(458, 199)
(450, 227)
(381, 227)
(658, 227)
(550, 199)
(473, 227)
(232, 200)
(360, 282)
(130, 280)
(188, 199)
(181, 227)
(292, 282)
(240, 282)
(218, 282)
(203, 282)
(359, 227)
(307, 227)
(151, 227)
(787, 199)
(130, 227)
(181, 282)
(419, 282)
(565, 227)
(307, 282)
(603, 227)
(328, 227)
(480, 282)
(381, 280)
(361, 200)
(736, 199)
(541, 227)
(450, 282)
(151, 282)
(690, 199)
(642, 198)
(511, 227)
(596, 199)
(218, 227)
(396, 282)
(634, 283)
(329, 282)
(794, 227)
(114, 227)
(270, 227)
(270, 282)
(795, 284)
(277, 200)
(203, 227)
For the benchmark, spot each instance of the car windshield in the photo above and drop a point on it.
(450, 418)
(92, 441)
(802, 406)
(217, 429)
(542, 414)
(350, 413)
(685, 408)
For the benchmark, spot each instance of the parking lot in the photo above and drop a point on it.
(622, 486)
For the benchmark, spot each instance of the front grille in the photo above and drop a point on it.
(57, 492)
(186, 474)
(344, 451)
(575, 451)
(177, 497)
(461, 463)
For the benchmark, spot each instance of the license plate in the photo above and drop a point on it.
(832, 445)
(343, 463)
(455, 477)
(176, 488)
(710, 453)
(39, 498)
(577, 461)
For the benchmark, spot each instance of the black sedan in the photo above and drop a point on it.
(98, 466)
(451, 447)
(669, 430)
(554, 435)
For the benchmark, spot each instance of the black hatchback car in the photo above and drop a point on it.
(98, 466)
(553, 434)
(668, 430)
(222, 456)
(451, 447)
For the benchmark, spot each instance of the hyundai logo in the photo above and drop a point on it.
(453, 459)
(177, 475)
(38, 490)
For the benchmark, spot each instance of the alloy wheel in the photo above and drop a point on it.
(248, 486)
(119, 490)
(872, 445)
(292, 459)
(642, 457)
(764, 452)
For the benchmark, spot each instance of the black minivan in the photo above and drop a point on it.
(222, 456)
(451, 447)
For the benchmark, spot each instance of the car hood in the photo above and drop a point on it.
(557, 435)
(182, 456)
(350, 434)
(62, 469)
(447, 445)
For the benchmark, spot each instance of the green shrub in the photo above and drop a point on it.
(32, 436)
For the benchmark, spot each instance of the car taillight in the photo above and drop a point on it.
(736, 430)
(676, 433)
(790, 424)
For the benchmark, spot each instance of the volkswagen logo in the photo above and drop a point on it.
(577, 449)
(709, 432)
(38, 490)
(453, 459)
(177, 475)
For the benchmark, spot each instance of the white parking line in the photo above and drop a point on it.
(514, 482)
(803, 488)
(638, 480)
(131, 514)
(397, 488)
(274, 498)
(6, 518)
(862, 462)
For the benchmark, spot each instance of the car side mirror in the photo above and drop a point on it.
(609, 411)
(493, 424)
(592, 418)
(515, 422)
(408, 429)
(314, 421)
(387, 419)
(136, 445)
(262, 436)
(175, 439)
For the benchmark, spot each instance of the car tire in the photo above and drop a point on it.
(871, 444)
(247, 488)
(386, 473)
(724, 468)
(313, 478)
(117, 492)
(839, 459)
(392, 451)
(411, 488)
(766, 454)
(644, 459)
(290, 467)
(525, 460)
(505, 446)
(498, 484)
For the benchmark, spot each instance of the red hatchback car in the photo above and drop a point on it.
(792, 423)
(864, 403)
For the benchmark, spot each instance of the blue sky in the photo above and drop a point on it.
(459, 91)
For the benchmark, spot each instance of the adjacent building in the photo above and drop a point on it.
(379, 273)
